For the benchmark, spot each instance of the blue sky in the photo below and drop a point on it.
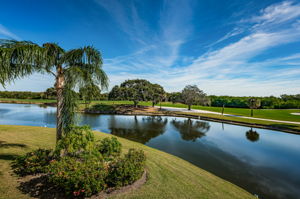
(234, 47)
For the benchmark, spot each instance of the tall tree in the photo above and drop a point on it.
(71, 69)
(175, 97)
(50, 93)
(253, 103)
(157, 93)
(191, 94)
(89, 93)
(135, 90)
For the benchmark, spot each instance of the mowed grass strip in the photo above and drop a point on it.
(169, 176)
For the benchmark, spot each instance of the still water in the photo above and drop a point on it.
(264, 162)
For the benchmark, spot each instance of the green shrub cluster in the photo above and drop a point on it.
(126, 170)
(82, 166)
(33, 162)
(109, 148)
(78, 177)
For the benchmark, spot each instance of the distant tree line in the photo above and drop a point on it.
(22, 95)
(282, 102)
(87, 94)
(138, 90)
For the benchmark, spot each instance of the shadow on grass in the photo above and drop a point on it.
(8, 156)
(39, 187)
(4, 144)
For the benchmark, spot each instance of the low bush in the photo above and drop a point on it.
(126, 170)
(78, 140)
(110, 148)
(32, 163)
(81, 166)
(78, 177)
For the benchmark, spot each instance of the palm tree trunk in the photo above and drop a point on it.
(60, 82)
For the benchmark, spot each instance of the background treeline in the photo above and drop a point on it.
(50, 93)
(143, 90)
(282, 102)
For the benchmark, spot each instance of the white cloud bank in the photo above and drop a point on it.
(225, 71)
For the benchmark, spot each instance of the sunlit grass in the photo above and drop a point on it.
(169, 176)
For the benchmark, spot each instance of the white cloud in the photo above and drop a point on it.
(229, 70)
(6, 33)
(278, 13)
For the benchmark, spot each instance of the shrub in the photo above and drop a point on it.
(79, 139)
(110, 148)
(82, 167)
(33, 162)
(126, 170)
(78, 177)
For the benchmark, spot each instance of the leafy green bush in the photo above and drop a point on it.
(78, 177)
(110, 148)
(32, 163)
(126, 170)
(78, 140)
(81, 166)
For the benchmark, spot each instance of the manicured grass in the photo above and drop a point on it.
(278, 125)
(169, 176)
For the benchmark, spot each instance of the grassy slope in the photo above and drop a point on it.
(170, 177)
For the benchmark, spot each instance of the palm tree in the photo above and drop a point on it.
(71, 69)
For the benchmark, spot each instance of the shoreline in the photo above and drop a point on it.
(171, 114)
(206, 118)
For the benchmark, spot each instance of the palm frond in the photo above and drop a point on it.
(88, 60)
(19, 59)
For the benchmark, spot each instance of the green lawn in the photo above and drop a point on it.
(169, 176)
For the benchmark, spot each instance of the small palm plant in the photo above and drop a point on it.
(71, 69)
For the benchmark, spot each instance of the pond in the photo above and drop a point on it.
(264, 162)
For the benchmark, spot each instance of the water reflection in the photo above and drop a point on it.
(138, 130)
(191, 130)
(268, 168)
(252, 135)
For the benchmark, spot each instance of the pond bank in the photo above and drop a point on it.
(169, 176)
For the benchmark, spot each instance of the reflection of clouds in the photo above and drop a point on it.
(269, 166)
(272, 146)
(271, 181)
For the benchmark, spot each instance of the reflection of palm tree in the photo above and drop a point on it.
(139, 130)
(252, 135)
(190, 130)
